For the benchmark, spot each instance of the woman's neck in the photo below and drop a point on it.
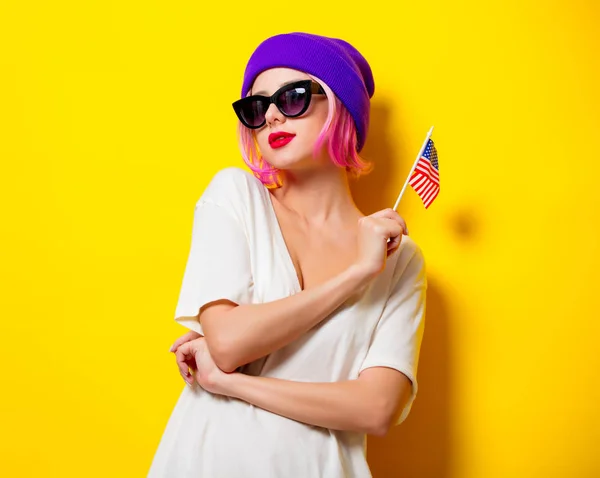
(318, 196)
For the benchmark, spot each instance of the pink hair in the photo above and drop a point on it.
(338, 134)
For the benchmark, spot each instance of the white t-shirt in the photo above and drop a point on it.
(238, 253)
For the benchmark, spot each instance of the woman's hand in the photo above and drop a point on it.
(374, 231)
(195, 355)
(210, 377)
(185, 361)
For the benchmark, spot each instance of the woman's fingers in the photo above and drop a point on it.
(393, 215)
(393, 244)
(183, 355)
(191, 335)
(395, 231)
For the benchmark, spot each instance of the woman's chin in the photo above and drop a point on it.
(290, 161)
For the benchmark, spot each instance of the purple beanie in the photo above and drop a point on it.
(335, 61)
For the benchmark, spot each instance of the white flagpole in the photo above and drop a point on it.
(413, 167)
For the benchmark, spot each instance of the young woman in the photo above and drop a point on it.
(306, 317)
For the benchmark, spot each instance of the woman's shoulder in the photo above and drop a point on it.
(410, 260)
(232, 187)
(230, 180)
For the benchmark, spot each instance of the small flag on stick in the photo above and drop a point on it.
(425, 179)
(424, 176)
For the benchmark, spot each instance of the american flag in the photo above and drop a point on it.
(425, 179)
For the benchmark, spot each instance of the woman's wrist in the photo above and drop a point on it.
(358, 276)
(229, 383)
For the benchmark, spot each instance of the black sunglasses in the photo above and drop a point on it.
(292, 100)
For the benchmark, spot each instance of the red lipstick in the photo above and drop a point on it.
(279, 139)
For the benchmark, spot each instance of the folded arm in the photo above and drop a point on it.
(237, 335)
(369, 404)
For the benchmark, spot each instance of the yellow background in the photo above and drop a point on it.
(114, 115)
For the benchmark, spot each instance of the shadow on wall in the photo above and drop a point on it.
(420, 447)
(377, 190)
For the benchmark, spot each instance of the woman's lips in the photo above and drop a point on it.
(278, 143)
(277, 140)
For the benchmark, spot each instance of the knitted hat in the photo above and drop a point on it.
(335, 61)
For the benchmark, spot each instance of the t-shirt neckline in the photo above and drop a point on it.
(283, 249)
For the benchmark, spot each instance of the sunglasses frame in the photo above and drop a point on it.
(312, 88)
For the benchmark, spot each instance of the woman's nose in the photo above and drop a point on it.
(273, 114)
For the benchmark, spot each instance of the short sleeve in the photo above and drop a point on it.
(397, 338)
(218, 264)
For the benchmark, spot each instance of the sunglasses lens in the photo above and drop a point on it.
(293, 101)
(252, 112)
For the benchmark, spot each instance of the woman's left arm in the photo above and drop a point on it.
(369, 404)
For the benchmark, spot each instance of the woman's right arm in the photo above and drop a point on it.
(239, 334)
